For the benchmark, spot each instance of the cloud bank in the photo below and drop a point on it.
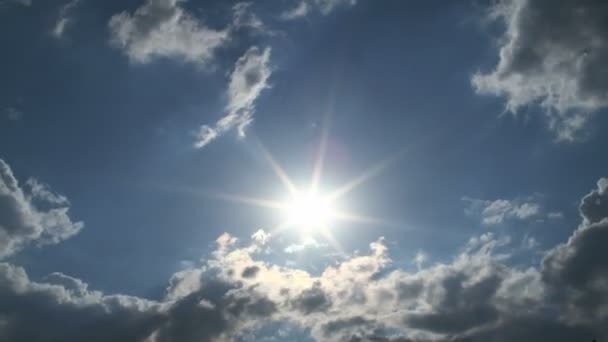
(476, 296)
(552, 54)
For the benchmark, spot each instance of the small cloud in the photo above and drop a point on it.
(556, 215)
(261, 237)
(300, 11)
(495, 212)
(13, 114)
(64, 19)
(247, 80)
(307, 243)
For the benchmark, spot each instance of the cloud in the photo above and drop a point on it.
(552, 54)
(498, 211)
(301, 10)
(13, 114)
(247, 80)
(37, 216)
(476, 296)
(163, 29)
(64, 19)
(304, 7)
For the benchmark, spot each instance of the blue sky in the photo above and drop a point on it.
(131, 126)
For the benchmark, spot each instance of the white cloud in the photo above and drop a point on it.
(301, 10)
(161, 28)
(64, 19)
(498, 211)
(304, 7)
(247, 80)
(261, 237)
(552, 54)
(306, 243)
(37, 216)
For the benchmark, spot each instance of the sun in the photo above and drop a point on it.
(309, 211)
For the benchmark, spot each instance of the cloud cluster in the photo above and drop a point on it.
(247, 80)
(162, 28)
(552, 54)
(33, 214)
(475, 296)
(495, 212)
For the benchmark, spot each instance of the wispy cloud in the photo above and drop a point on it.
(64, 19)
(247, 80)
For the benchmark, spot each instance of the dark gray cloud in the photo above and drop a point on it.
(553, 53)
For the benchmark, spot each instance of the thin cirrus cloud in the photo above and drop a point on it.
(247, 80)
(232, 294)
(552, 53)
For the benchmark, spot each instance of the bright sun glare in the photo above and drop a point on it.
(309, 211)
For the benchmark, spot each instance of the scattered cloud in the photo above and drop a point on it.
(498, 211)
(475, 296)
(64, 19)
(36, 216)
(327, 6)
(247, 80)
(552, 54)
(162, 28)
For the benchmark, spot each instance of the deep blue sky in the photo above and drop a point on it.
(115, 137)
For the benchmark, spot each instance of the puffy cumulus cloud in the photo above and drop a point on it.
(303, 7)
(247, 80)
(552, 54)
(476, 296)
(494, 212)
(161, 28)
(34, 215)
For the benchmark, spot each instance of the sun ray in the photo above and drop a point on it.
(278, 170)
(320, 160)
(331, 239)
(365, 176)
(255, 201)
(357, 218)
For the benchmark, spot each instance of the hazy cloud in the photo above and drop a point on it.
(552, 54)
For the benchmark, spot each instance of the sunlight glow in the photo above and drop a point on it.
(309, 211)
